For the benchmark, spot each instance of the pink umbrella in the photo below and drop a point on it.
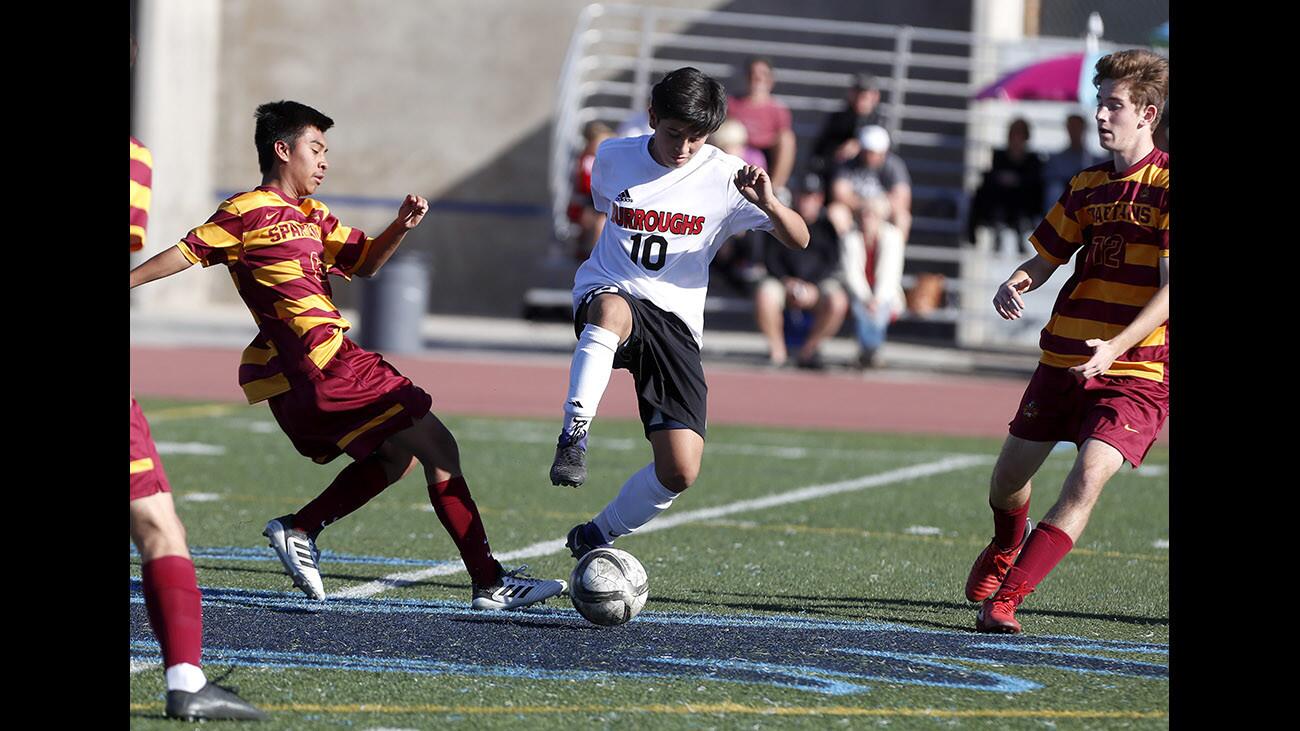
(1060, 79)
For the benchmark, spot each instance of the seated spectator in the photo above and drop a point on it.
(804, 280)
(581, 213)
(1011, 194)
(876, 171)
(732, 138)
(740, 258)
(1063, 165)
(872, 263)
(837, 143)
(767, 121)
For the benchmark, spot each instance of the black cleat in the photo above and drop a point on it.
(211, 702)
(570, 466)
(579, 542)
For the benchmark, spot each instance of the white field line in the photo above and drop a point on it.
(530, 434)
(625, 445)
(210, 450)
(664, 522)
(923, 530)
(140, 666)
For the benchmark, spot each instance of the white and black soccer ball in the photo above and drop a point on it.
(608, 586)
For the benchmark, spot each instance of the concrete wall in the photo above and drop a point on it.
(176, 115)
(451, 99)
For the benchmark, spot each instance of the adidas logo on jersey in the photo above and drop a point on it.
(624, 197)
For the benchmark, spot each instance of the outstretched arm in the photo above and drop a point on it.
(1151, 316)
(787, 226)
(163, 264)
(381, 249)
(1027, 277)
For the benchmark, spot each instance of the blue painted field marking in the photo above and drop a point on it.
(1001, 683)
(275, 659)
(828, 657)
(448, 607)
(1049, 650)
(244, 553)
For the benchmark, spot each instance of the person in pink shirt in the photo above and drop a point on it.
(766, 120)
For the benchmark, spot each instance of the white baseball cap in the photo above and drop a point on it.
(874, 138)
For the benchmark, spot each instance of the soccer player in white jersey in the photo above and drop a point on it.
(671, 201)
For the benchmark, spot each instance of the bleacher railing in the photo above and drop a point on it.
(927, 77)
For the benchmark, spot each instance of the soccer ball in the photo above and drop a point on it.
(608, 586)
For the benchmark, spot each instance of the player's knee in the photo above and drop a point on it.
(1007, 479)
(612, 313)
(1084, 485)
(396, 462)
(445, 441)
(158, 533)
(1001, 477)
(677, 477)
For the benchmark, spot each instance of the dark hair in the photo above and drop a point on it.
(691, 96)
(865, 82)
(1019, 123)
(809, 183)
(283, 120)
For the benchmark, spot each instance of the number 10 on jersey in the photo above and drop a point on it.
(653, 255)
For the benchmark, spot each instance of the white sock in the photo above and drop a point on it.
(186, 677)
(593, 362)
(637, 503)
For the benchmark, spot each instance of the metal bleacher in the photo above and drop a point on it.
(927, 79)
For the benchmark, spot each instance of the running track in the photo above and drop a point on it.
(920, 403)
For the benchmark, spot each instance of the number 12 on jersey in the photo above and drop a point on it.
(653, 255)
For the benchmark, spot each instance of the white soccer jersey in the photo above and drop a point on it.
(664, 226)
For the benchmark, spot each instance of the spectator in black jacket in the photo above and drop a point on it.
(837, 143)
(805, 280)
(1011, 194)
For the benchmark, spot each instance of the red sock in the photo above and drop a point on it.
(1046, 546)
(354, 487)
(171, 596)
(1009, 526)
(459, 515)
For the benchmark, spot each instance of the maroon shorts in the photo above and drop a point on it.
(362, 401)
(147, 476)
(1125, 412)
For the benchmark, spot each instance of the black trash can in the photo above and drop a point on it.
(394, 302)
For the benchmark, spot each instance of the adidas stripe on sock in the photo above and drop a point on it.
(593, 362)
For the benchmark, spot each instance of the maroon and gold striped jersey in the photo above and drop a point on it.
(1119, 223)
(141, 183)
(280, 252)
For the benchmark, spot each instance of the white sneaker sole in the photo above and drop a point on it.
(536, 596)
(276, 534)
